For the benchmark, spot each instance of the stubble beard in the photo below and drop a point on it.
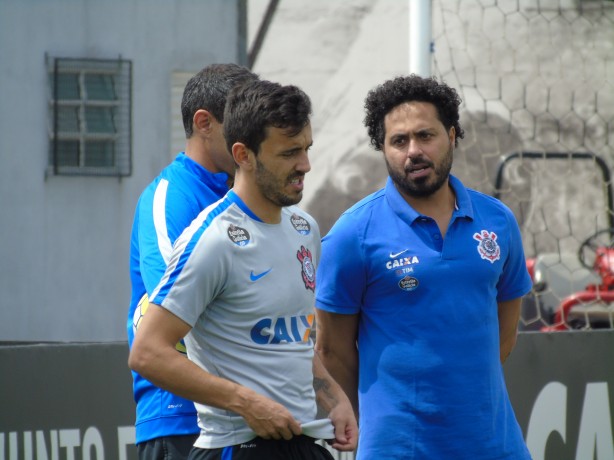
(423, 187)
(272, 188)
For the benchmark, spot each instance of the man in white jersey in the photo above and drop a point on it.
(240, 288)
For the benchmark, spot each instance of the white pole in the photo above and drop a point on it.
(420, 37)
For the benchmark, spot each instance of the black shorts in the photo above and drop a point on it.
(166, 448)
(298, 448)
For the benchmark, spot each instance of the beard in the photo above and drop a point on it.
(425, 186)
(272, 187)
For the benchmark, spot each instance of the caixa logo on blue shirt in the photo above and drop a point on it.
(286, 329)
(402, 262)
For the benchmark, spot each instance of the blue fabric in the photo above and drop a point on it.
(431, 384)
(227, 453)
(184, 189)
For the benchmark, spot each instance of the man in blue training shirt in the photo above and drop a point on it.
(166, 425)
(419, 291)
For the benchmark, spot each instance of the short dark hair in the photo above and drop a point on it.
(208, 90)
(257, 105)
(385, 97)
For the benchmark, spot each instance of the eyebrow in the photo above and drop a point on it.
(407, 134)
(296, 149)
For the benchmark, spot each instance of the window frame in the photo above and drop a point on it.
(118, 104)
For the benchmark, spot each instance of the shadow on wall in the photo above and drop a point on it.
(356, 173)
(488, 138)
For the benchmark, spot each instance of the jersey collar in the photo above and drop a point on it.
(234, 198)
(464, 208)
(216, 181)
(408, 214)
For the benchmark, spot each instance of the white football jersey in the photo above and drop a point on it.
(247, 288)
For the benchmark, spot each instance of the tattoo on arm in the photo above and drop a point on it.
(323, 391)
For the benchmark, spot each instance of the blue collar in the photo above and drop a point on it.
(216, 180)
(234, 198)
(464, 208)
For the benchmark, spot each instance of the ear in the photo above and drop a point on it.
(242, 155)
(202, 120)
(452, 135)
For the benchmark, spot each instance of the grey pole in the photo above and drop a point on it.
(420, 37)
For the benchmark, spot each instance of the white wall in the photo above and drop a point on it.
(64, 241)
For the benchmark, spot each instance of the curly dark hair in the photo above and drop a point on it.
(257, 105)
(385, 97)
(208, 90)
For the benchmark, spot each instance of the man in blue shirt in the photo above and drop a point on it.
(166, 425)
(419, 291)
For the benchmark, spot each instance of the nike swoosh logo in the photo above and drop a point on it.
(255, 277)
(392, 256)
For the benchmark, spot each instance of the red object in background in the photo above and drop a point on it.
(531, 267)
(604, 292)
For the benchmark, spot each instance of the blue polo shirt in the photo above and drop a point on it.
(430, 383)
(165, 208)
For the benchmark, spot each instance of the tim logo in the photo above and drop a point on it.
(487, 245)
(282, 330)
(307, 269)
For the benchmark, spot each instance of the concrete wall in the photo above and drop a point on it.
(64, 240)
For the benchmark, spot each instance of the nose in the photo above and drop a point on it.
(303, 165)
(413, 148)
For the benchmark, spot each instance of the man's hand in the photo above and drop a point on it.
(332, 399)
(268, 419)
(346, 428)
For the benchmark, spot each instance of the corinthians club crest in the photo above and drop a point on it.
(487, 245)
(307, 269)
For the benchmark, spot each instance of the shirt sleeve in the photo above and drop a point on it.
(162, 218)
(515, 280)
(341, 276)
(197, 272)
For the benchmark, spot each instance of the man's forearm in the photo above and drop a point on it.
(326, 389)
(343, 372)
(509, 315)
(175, 373)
